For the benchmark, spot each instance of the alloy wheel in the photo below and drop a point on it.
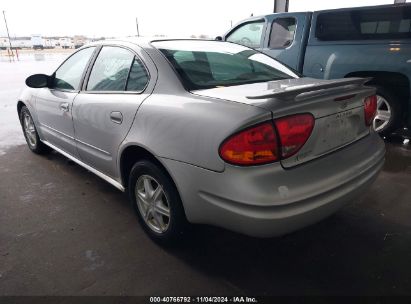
(29, 129)
(383, 115)
(152, 203)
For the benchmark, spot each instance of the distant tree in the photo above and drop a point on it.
(193, 36)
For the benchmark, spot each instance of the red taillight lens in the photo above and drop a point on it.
(253, 146)
(294, 131)
(370, 109)
(259, 145)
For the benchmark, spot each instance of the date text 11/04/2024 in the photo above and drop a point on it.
(240, 299)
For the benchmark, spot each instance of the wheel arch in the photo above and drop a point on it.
(134, 153)
(20, 105)
(397, 83)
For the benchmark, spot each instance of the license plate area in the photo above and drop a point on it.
(340, 129)
(329, 134)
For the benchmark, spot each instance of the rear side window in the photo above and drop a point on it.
(282, 33)
(138, 77)
(376, 23)
(248, 34)
(110, 70)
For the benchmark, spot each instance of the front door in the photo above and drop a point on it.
(54, 104)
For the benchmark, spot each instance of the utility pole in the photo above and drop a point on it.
(138, 32)
(8, 35)
(280, 6)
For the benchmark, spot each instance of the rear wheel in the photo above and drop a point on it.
(30, 133)
(389, 112)
(156, 202)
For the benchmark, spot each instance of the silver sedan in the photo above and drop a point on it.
(207, 132)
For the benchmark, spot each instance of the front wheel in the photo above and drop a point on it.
(30, 133)
(156, 202)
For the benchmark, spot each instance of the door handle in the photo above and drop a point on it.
(65, 107)
(116, 117)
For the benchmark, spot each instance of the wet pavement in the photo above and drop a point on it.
(64, 231)
(12, 77)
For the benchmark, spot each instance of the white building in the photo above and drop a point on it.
(66, 43)
(37, 42)
(21, 43)
(4, 43)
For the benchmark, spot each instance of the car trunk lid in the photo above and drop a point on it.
(337, 106)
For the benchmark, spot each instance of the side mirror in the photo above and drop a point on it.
(38, 81)
(218, 38)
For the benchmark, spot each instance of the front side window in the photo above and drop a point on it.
(110, 70)
(282, 33)
(69, 74)
(248, 34)
(208, 64)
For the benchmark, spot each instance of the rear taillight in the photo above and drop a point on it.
(294, 131)
(261, 144)
(253, 146)
(370, 109)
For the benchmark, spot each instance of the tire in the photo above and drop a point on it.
(30, 133)
(389, 110)
(152, 212)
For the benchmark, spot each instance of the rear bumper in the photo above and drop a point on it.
(269, 201)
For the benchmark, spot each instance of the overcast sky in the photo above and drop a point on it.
(164, 17)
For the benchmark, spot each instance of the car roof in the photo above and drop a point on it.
(144, 42)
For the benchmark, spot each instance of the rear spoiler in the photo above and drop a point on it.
(313, 89)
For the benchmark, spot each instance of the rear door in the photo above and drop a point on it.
(286, 36)
(54, 104)
(105, 109)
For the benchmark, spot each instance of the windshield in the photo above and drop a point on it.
(210, 64)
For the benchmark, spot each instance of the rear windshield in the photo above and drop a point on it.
(371, 23)
(209, 64)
